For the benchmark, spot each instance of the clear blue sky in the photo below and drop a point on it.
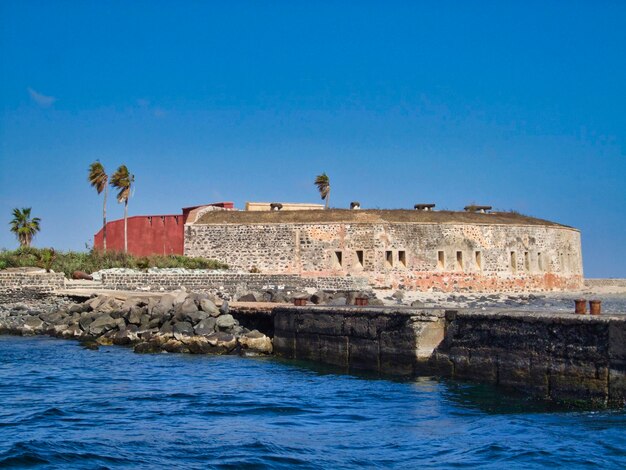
(520, 105)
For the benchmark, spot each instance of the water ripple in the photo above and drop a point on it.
(66, 407)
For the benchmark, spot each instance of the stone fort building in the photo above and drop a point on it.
(419, 249)
(414, 249)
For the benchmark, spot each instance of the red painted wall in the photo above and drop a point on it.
(147, 235)
(150, 234)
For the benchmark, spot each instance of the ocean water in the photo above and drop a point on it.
(62, 406)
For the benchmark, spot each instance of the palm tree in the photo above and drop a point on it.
(323, 186)
(99, 180)
(23, 226)
(122, 180)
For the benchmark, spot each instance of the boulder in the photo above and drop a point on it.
(187, 307)
(223, 341)
(225, 322)
(337, 301)
(195, 317)
(209, 307)
(250, 297)
(34, 324)
(179, 298)
(182, 328)
(256, 342)
(164, 305)
(136, 312)
(198, 345)
(102, 324)
(205, 327)
(319, 297)
(224, 308)
(53, 318)
(147, 348)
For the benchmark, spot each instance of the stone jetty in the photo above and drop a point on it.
(173, 322)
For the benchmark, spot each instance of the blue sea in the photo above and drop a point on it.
(62, 406)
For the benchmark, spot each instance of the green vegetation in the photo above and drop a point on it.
(23, 226)
(98, 179)
(123, 180)
(323, 186)
(90, 261)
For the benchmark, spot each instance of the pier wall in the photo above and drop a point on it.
(554, 356)
(394, 341)
(557, 356)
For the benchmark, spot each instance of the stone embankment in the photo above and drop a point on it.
(173, 322)
(560, 357)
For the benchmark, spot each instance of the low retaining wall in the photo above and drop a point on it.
(554, 356)
(605, 282)
(19, 286)
(395, 341)
(557, 356)
(232, 283)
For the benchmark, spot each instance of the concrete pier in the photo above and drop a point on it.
(555, 356)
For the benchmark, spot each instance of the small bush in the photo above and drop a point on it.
(70, 261)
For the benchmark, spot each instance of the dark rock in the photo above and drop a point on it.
(224, 308)
(196, 316)
(337, 301)
(147, 348)
(188, 306)
(225, 322)
(319, 297)
(208, 306)
(205, 327)
(248, 298)
(183, 328)
(102, 324)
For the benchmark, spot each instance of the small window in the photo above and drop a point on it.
(441, 260)
(402, 257)
(513, 262)
(540, 261)
(478, 259)
(459, 260)
(389, 258)
(338, 258)
(359, 257)
(526, 261)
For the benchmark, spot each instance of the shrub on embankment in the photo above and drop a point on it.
(89, 261)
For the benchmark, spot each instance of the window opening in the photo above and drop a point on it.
(402, 257)
(389, 258)
(359, 256)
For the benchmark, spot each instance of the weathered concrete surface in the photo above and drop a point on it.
(556, 356)
(391, 340)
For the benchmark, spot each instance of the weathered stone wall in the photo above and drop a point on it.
(480, 257)
(605, 282)
(16, 286)
(554, 356)
(231, 283)
(558, 356)
(392, 341)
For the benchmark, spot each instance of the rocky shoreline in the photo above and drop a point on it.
(179, 322)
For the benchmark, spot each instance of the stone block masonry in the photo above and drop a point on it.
(416, 256)
(553, 356)
(19, 286)
(231, 283)
(390, 340)
(556, 356)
